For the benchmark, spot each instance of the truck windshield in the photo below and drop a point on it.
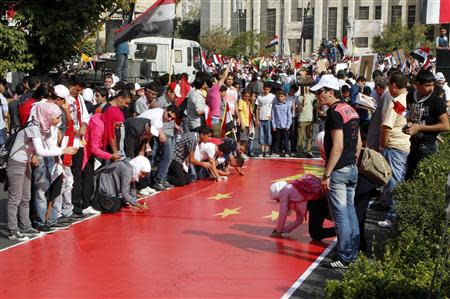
(146, 51)
(197, 58)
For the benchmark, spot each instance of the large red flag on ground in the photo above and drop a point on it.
(437, 11)
(156, 20)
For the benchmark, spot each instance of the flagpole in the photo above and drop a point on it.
(171, 57)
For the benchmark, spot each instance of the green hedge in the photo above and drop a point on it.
(411, 251)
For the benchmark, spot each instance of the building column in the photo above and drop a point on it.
(226, 20)
(385, 8)
(318, 26)
(351, 16)
(256, 6)
(418, 11)
(404, 4)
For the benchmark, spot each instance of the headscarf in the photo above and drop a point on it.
(44, 114)
(140, 163)
(110, 117)
(275, 189)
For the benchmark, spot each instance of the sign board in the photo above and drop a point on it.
(367, 65)
(293, 30)
(400, 58)
(308, 27)
(367, 28)
(322, 65)
(295, 60)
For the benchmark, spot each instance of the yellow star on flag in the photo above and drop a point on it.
(220, 196)
(228, 212)
(273, 216)
(316, 170)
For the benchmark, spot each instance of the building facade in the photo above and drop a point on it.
(332, 18)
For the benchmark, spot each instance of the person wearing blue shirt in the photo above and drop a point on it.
(122, 51)
(442, 40)
(281, 123)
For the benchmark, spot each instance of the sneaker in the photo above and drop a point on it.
(45, 229)
(31, 232)
(244, 156)
(59, 226)
(159, 187)
(65, 219)
(309, 155)
(17, 236)
(76, 216)
(261, 155)
(336, 264)
(168, 185)
(287, 155)
(274, 156)
(146, 191)
(90, 210)
(385, 223)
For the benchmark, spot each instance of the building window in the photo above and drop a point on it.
(377, 12)
(270, 22)
(411, 15)
(396, 15)
(364, 12)
(332, 22)
(299, 14)
(242, 17)
(344, 21)
(362, 42)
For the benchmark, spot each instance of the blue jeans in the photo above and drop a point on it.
(122, 66)
(265, 133)
(42, 181)
(341, 202)
(166, 157)
(397, 160)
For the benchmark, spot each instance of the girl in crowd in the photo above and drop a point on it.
(29, 141)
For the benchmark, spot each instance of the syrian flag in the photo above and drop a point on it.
(399, 108)
(437, 11)
(217, 59)
(273, 42)
(205, 63)
(155, 21)
(421, 54)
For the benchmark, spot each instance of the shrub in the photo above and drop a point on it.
(411, 251)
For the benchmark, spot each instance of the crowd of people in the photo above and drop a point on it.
(72, 150)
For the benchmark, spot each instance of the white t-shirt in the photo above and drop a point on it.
(4, 104)
(205, 151)
(265, 106)
(155, 115)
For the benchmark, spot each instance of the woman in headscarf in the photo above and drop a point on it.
(29, 141)
(117, 179)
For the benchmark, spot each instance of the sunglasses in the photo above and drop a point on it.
(171, 116)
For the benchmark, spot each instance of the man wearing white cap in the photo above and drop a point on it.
(441, 83)
(342, 146)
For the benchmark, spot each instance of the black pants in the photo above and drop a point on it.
(281, 141)
(417, 153)
(177, 176)
(293, 134)
(318, 212)
(83, 182)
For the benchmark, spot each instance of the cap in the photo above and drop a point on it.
(88, 95)
(328, 81)
(137, 86)
(62, 91)
(440, 77)
(275, 189)
(175, 88)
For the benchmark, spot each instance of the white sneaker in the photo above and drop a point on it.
(245, 157)
(274, 156)
(90, 210)
(385, 223)
(147, 191)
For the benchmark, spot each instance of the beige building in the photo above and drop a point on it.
(332, 18)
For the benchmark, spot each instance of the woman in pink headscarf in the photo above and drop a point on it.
(29, 141)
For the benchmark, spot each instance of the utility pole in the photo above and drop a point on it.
(282, 28)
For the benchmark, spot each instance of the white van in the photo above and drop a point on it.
(152, 54)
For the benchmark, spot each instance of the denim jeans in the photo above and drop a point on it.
(341, 202)
(166, 157)
(397, 160)
(42, 180)
(265, 133)
(122, 66)
(2, 136)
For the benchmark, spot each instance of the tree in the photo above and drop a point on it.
(187, 29)
(53, 31)
(14, 55)
(249, 44)
(217, 40)
(398, 36)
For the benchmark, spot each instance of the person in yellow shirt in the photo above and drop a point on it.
(245, 117)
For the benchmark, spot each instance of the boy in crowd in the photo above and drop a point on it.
(281, 122)
(263, 116)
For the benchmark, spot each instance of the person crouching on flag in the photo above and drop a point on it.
(294, 196)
